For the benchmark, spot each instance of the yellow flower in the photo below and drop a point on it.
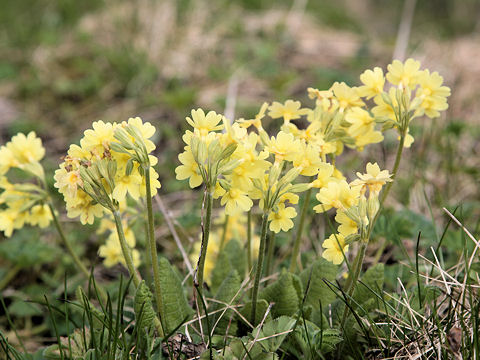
(112, 254)
(189, 168)
(374, 178)
(234, 200)
(433, 94)
(308, 160)
(324, 176)
(335, 248)
(7, 160)
(67, 182)
(346, 96)
(98, 138)
(291, 110)
(205, 123)
(404, 74)
(40, 215)
(281, 219)
(257, 122)
(127, 183)
(83, 207)
(7, 221)
(347, 225)
(284, 146)
(373, 83)
(23, 152)
(337, 194)
(154, 183)
(361, 121)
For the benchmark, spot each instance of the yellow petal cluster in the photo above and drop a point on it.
(22, 203)
(97, 144)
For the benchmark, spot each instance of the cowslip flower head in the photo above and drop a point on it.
(374, 178)
(404, 74)
(110, 163)
(432, 93)
(203, 124)
(281, 219)
(337, 194)
(290, 110)
(345, 96)
(373, 83)
(335, 248)
(284, 146)
(234, 200)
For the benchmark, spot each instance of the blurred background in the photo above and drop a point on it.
(67, 63)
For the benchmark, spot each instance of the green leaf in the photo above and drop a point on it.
(175, 305)
(23, 309)
(226, 293)
(232, 257)
(262, 306)
(318, 291)
(143, 307)
(270, 331)
(286, 293)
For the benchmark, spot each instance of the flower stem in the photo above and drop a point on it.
(396, 165)
(353, 276)
(270, 250)
(206, 221)
(249, 240)
(126, 250)
(298, 235)
(358, 262)
(72, 253)
(259, 266)
(153, 250)
(224, 233)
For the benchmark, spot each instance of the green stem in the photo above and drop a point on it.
(206, 221)
(224, 233)
(270, 250)
(396, 165)
(249, 239)
(358, 262)
(298, 236)
(259, 266)
(354, 275)
(127, 255)
(153, 250)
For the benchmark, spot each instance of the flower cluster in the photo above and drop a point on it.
(109, 164)
(410, 93)
(355, 209)
(240, 165)
(23, 203)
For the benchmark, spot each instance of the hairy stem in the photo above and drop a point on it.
(206, 222)
(354, 276)
(270, 250)
(153, 250)
(298, 235)
(127, 254)
(249, 240)
(259, 267)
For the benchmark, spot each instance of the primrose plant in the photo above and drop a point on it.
(258, 169)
